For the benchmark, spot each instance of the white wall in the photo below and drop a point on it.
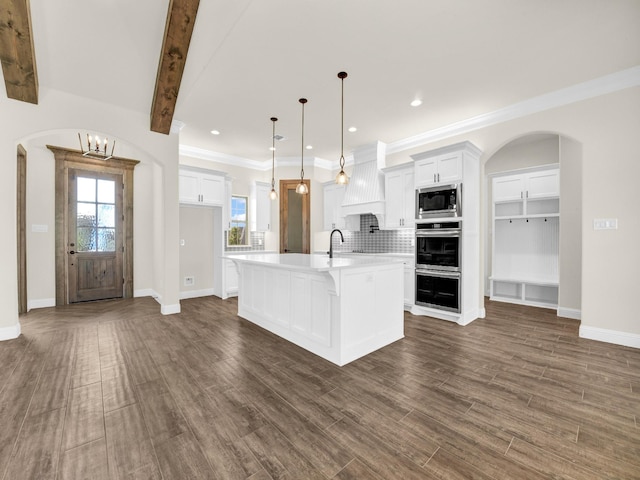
(196, 255)
(570, 292)
(59, 117)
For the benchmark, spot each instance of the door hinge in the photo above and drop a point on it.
(123, 248)
(123, 281)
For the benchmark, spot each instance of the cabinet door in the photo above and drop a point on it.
(409, 194)
(449, 168)
(399, 199)
(333, 197)
(409, 284)
(394, 183)
(212, 190)
(230, 278)
(263, 208)
(543, 184)
(189, 187)
(508, 188)
(426, 172)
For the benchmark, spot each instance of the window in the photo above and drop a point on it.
(96, 226)
(238, 231)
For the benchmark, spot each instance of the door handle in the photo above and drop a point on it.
(71, 252)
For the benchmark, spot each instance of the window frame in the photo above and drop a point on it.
(233, 224)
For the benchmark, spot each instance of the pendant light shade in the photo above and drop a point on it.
(273, 194)
(342, 178)
(301, 188)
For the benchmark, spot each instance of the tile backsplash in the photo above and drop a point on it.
(380, 241)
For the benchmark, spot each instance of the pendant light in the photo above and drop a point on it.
(342, 178)
(301, 188)
(273, 195)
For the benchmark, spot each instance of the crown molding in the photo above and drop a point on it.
(202, 154)
(211, 156)
(582, 91)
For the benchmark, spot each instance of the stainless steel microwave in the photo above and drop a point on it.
(439, 202)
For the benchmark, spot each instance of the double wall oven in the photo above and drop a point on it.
(439, 264)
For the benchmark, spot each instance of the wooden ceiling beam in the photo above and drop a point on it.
(175, 46)
(17, 54)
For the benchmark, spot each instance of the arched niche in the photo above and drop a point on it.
(532, 150)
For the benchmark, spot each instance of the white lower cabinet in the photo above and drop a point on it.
(230, 282)
(409, 284)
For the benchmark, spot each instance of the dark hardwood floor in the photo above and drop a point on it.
(115, 390)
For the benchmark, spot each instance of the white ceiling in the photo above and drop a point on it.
(250, 60)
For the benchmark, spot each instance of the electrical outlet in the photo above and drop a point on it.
(189, 281)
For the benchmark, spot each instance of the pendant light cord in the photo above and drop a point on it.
(273, 153)
(302, 101)
(342, 121)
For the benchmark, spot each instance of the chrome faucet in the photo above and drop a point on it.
(331, 242)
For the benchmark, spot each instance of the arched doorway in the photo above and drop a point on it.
(530, 152)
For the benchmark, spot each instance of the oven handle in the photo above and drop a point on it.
(438, 233)
(438, 273)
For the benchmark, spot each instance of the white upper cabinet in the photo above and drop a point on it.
(260, 207)
(508, 189)
(445, 168)
(201, 188)
(400, 198)
(544, 184)
(333, 197)
(527, 193)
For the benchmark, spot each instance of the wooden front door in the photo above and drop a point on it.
(95, 267)
(294, 218)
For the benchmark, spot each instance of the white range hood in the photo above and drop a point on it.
(365, 191)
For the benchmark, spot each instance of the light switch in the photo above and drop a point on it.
(182, 242)
(39, 228)
(605, 223)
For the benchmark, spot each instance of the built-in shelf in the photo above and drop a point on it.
(526, 226)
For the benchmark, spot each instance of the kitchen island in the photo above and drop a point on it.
(340, 308)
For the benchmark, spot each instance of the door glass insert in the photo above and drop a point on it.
(95, 220)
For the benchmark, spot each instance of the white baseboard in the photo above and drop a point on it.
(570, 313)
(41, 303)
(610, 336)
(482, 313)
(145, 292)
(9, 333)
(170, 309)
(196, 293)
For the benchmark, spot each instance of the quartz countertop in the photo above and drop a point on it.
(316, 262)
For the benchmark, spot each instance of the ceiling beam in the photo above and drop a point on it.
(16, 51)
(177, 36)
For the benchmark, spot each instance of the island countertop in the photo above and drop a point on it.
(314, 262)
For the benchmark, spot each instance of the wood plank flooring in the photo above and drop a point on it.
(114, 390)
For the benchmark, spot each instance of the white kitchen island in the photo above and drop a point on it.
(340, 309)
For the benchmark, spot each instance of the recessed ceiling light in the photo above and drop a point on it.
(215, 132)
(309, 147)
(353, 129)
(416, 103)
